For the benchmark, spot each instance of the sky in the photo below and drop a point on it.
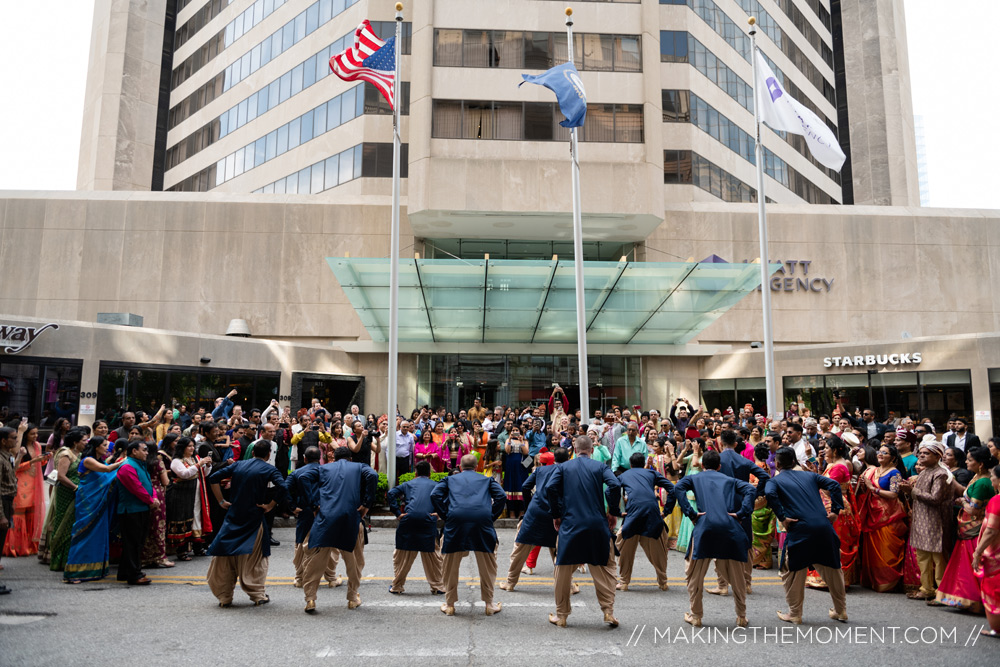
(44, 46)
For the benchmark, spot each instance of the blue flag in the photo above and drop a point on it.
(564, 81)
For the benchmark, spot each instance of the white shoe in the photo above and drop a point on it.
(528, 570)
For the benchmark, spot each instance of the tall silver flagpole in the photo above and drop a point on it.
(775, 405)
(390, 456)
(581, 325)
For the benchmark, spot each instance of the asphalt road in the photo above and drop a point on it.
(176, 622)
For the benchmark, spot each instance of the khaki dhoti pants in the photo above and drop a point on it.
(655, 550)
(402, 561)
(486, 561)
(518, 557)
(299, 557)
(932, 564)
(794, 584)
(316, 562)
(747, 573)
(250, 569)
(732, 570)
(604, 583)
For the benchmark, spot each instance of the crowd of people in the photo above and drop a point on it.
(911, 509)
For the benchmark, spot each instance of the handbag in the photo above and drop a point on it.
(52, 479)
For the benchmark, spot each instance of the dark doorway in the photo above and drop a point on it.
(335, 392)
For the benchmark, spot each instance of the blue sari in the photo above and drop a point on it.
(95, 506)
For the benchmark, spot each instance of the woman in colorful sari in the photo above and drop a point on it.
(29, 503)
(959, 586)
(762, 519)
(154, 552)
(883, 521)
(95, 505)
(838, 468)
(187, 499)
(514, 473)
(64, 498)
(662, 461)
(692, 463)
(428, 450)
(986, 559)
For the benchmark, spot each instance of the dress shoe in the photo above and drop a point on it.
(621, 587)
(4, 590)
(447, 610)
(741, 621)
(494, 608)
(339, 581)
(264, 600)
(574, 588)
(354, 604)
(435, 591)
(140, 582)
(395, 592)
(718, 590)
(310, 606)
(838, 617)
(556, 621)
(226, 605)
(691, 619)
(275, 543)
(788, 618)
(610, 619)
(665, 587)
(505, 586)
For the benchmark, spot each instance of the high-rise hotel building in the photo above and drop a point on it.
(276, 180)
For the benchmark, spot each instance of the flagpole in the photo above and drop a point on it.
(581, 326)
(390, 457)
(775, 406)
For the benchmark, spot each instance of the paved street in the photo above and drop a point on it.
(176, 621)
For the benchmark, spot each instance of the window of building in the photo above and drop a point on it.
(43, 390)
(532, 121)
(515, 49)
(605, 251)
(734, 393)
(994, 376)
(673, 46)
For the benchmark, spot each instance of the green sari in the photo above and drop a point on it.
(63, 513)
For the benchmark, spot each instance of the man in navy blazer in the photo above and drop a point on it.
(737, 466)
(242, 544)
(810, 538)
(343, 491)
(300, 491)
(643, 524)
(576, 494)
(536, 528)
(723, 502)
(469, 503)
(417, 530)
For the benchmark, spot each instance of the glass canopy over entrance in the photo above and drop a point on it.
(530, 301)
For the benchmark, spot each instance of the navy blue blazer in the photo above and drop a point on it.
(417, 531)
(248, 488)
(642, 511)
(716, 534)
(576, 495)
(536, 526)
(469, 503)
(339, 489)
(300, 486)
(811, 540)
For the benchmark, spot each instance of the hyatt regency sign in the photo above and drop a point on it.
(15, 338)
(894, 359)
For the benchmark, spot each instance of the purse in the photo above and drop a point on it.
(52, 479)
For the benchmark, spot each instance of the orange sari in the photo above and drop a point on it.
(884, 526)
(29, 507)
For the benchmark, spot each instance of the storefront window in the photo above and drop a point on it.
(717, 393)
(995, 399)
(455, 380)
(897, 393)
(752, 391)
(946, 393)
(39, 390)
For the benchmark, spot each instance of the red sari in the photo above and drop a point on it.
(959, 586)
(846, 527)
(29, 507)
(884, 527)
(989, 567)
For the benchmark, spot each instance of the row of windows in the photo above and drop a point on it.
(198, 20)
(725, 131)
(803, 25)
(817, 6)
(343, 108)
(533, 121)
(689, 168)
(677, 46)
(679, 106)
(317, 14)
(269, 96)
(367, 160)
(726, 28)
(780, 38)
(514, 49)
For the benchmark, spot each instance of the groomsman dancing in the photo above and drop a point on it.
(417, 531)
(300, 485)
(718, 533)
(643, 525)
(810, 540)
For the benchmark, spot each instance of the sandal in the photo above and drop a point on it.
(165, 564)
(183, 557)
(72, 581)
(986, 632)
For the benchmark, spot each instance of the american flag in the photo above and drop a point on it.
(370, 59)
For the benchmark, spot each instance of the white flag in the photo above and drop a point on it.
(781, 112)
